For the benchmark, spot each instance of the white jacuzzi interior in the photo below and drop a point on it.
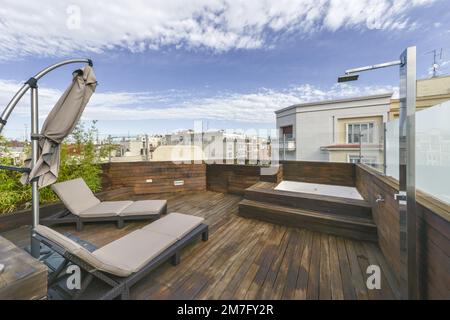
(322, 189)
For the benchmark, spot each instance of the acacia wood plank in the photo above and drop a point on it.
(325, 284)
(305, 264)
(314, 269)
(346, 273)
(357, 276)
(337, 292)
(299, 240)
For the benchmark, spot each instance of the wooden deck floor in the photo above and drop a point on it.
(249, 259)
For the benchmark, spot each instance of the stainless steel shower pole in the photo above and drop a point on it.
(407, 170)
(406, 196)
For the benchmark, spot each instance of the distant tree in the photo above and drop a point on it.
(12, 192)
(79, 158)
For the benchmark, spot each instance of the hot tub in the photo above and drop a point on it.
(320, 189)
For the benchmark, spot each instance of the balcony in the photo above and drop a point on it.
(287, 144)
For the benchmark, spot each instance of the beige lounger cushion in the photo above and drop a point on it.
(106, 209)
(79, 199)
(76, 195)
(175, 224)
(118, 268)
(136, 249)
(130, 253)
(143, 207)
(65, 242)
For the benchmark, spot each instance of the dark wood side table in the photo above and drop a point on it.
(23, 277)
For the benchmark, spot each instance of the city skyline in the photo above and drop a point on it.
(230, 68)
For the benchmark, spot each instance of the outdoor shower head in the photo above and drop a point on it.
(348, 77)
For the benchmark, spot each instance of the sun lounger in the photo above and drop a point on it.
(123, 262)
(83, 206)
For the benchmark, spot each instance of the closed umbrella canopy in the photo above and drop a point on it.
(58, 125)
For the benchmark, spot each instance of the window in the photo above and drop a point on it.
(357, 131)
(287, 131)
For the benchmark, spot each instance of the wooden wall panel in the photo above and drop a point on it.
(235, 178)
(385, 214)
(162, 174)
(231, 178)
(433, 250)
(274, 178)
(433, 229)
(335, 173)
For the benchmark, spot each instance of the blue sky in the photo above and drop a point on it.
(161, 65)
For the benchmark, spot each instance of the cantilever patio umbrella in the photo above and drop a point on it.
(58, 125)
(42, 166)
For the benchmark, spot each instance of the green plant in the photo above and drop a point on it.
(12, 192)
(79, 158)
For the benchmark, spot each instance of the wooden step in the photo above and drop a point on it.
(327, 204)
(351, 227)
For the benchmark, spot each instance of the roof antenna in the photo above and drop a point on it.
(435, 65)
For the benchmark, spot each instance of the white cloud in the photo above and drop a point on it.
(254, 107)
(58, 28)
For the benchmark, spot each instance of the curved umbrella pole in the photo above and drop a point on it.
(32, 84)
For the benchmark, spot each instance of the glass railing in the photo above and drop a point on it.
(433, 151)
(372, 146)
(392, 149)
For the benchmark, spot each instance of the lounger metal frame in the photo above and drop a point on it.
(65, 217)
(120, 286)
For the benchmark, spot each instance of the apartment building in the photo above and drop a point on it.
(220, 145)
(430, 92)
(334, 130)
(133, 148)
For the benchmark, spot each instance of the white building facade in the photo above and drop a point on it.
(333, 130)
(221, 146)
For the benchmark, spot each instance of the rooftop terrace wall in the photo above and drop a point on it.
(433, 230)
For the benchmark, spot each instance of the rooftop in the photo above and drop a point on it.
(246, 258)
(326, 102)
